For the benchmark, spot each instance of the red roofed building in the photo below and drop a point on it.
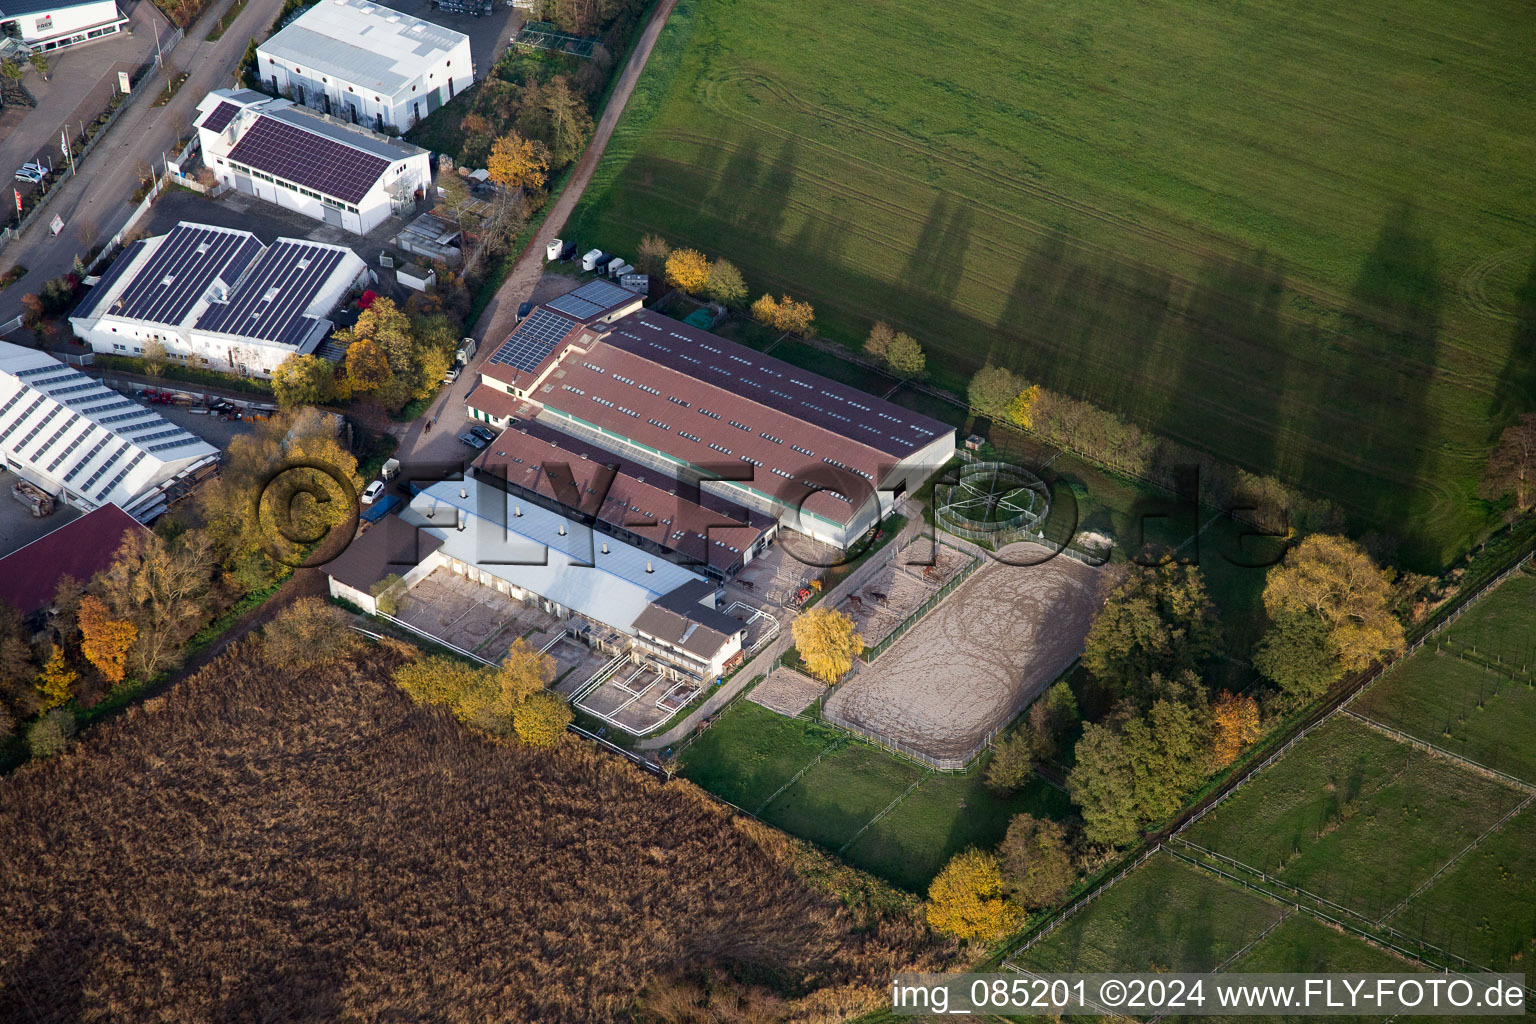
(30, 574)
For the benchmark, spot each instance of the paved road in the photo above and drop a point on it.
(101, 191)
(500, 315)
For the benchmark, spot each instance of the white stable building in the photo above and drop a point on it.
(366, 63)
(45, 25)
(88, 445)
(218, 298)
(305, 161)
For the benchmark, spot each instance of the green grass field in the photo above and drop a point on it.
(1301, 251)
(945, 815)
(1501, 628)
(1355, 817)
(1166, 915)
(1484, 908)
(1460, 706)
(750, 752)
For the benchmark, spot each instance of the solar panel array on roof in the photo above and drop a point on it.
(177, 274)
(270, 303)
(103, 287)
(591, 299)
(304, 158)
(534, 339)
(219, 117)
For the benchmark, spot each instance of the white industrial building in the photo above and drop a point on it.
(217, 298)
(366, 63)
(657, 609)
(305, 161)
(45, 25)
(88, 445)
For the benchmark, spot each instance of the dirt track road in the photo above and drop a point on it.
(501, 315)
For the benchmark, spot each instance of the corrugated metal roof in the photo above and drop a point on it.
(364, 44)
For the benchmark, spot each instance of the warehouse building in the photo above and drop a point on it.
(625, 500)
(607, 593)
(824, 459)
(367, 64)
(89, 446)
(46, 25)
(30, 575)
(217, 298)
(305, 161)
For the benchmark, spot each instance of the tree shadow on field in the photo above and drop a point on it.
(1085, 324)
(49, 984)
(1375, 401)
(306, 984)
(1515, 392)
(937, 263)
(748, 195)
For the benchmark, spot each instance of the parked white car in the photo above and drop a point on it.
(33, 172)
(373, 492)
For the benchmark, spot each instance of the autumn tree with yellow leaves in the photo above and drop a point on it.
(516, 162)
(1234, 726)
(1332, 578)
(56, 682)
(969, 898)
(687, 270)
(827, 642)
(104, 640)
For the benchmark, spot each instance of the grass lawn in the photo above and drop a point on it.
(1484, 908)
(1166, 915)
(1355, 817)
(751, 751)
(945, 815)
(1461, 706)
(835, 799)
(1501, 628)
(1299, 250)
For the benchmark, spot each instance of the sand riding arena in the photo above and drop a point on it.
(952, 680)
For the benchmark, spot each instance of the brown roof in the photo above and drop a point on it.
(389, 546)
(493, 401)
(696, 421)
(30, 574)
(679, 618)
(644, 502)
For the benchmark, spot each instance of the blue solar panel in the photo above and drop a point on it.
(534, 339)
(591, 299)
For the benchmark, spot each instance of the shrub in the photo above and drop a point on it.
(540, 720)
(50, 734)
(968, 898)
(307, 634)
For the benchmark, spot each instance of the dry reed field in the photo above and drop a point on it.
(277, 847)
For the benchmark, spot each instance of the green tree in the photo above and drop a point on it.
(1036, 861)
(1296, 656)
(1012, 764)
(540, 720)
(1102, 787)
(302, 380)
(969, 900)
(389, 593)
(905, 357)
(1159, 620)
(725, 284)
(569, 121)
(1049, 717)
(40, 62)
(11, 70)
(50, 734)
(1169, 751)
(993, 390)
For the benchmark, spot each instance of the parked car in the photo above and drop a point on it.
(474, 441)
(485, 434)
(33, 172)
(373, 492)
(452, 374)
(523, 311)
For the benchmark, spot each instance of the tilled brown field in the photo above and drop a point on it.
(977, 659)
(315, 847)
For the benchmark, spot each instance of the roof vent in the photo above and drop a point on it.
(463, 493)
(462, 522)
(605, 547)
(517, 511)
(648, 566)
(562, 529)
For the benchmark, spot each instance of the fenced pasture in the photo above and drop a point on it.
(945, 688)
(1296, 252)
(786, 691)
(1500, 630)
(1461, 706)
(1355, 817)
(900, 588)
(1165, 915)
(1301, 944)
(1484, 907)
(886, 814)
